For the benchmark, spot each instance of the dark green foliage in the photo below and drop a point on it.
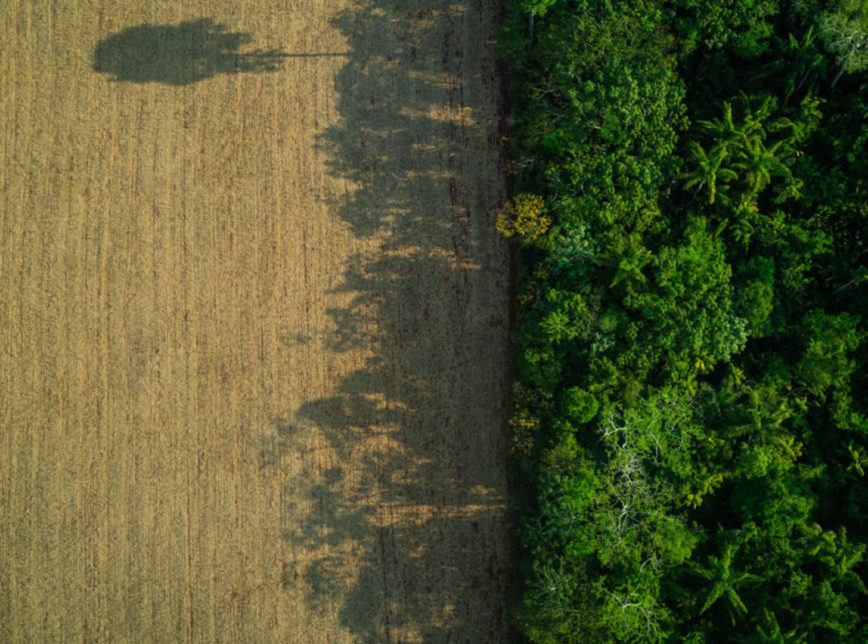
(741, 26)
(578, 405)
(691, 418)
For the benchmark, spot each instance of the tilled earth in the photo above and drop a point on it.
(253, 322)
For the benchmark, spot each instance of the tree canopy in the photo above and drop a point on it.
(690, 434)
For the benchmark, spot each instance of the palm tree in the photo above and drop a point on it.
(708, 170)
(760, 413)
(725, 581)
(743, 219)
(629, 262)
(724, 129)
(795, 60)
(754, 121)
(771, 632)
(759, 164)
(843, 559)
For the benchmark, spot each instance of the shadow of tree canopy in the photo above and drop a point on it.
(409, 531)
(179, 54)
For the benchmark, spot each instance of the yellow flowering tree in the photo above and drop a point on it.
(523, 217)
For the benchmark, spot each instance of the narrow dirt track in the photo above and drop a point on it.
(253, 322)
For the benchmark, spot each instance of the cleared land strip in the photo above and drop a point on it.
(253, 322)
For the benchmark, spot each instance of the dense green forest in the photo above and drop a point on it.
(690, 434)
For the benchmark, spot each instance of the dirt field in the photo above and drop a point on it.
(253, 322)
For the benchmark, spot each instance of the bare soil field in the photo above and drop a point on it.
(253, 322)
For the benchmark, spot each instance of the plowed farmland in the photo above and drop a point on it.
(253, 322)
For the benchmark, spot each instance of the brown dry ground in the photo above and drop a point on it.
(254, 328)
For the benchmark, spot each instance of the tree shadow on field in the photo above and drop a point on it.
(409, 533)
(179, 54)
